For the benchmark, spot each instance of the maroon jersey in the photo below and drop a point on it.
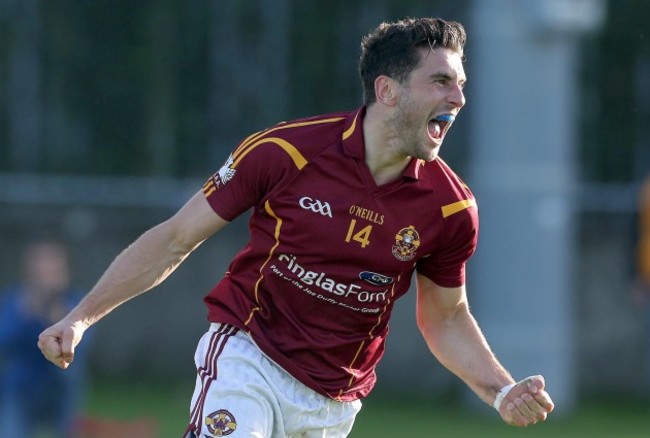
(330, 251)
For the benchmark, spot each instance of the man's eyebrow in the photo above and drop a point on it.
(441, 75)
(447, 76)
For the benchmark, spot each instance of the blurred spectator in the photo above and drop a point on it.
(35, 397)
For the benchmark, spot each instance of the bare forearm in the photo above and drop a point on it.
(454, 337)
(460, 346)
(140, 267)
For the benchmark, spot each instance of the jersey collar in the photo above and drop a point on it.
(354, 144)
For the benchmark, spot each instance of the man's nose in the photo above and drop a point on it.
(456, 96)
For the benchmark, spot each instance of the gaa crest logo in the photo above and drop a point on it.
(407, 241)
(221, 423)
(316, 206)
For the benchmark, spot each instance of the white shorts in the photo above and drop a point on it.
(240, 391)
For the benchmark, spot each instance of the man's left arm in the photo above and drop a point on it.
(455, 339)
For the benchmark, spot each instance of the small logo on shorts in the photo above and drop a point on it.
(407, 241)
(221, 423)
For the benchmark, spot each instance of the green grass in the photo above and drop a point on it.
(128, 402)
(421, 418)
(383, 416)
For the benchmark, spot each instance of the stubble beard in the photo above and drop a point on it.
(408, 133)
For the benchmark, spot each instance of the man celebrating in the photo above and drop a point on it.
(347, 207)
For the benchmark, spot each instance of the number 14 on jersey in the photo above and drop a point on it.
(361, 236)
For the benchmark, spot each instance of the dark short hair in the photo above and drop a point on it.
(392, 48)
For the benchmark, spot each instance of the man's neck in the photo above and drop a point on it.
(382, 154)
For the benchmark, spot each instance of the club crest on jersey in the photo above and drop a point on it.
(226, 173)
(221, 423)
(407, 241)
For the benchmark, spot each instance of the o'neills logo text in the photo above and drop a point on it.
(367, 214)
(323, 282)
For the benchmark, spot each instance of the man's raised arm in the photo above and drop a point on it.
(144, 264)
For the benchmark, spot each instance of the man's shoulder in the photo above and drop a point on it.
(449, 187)
(300, 140)
(287, 145)
(328, 125)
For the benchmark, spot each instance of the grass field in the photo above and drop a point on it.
(384, 417)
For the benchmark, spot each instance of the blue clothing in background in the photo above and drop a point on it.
(34, 394)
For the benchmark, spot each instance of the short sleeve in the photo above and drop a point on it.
(446, 266)
(246, 178)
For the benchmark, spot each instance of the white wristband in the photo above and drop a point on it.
(502, 395)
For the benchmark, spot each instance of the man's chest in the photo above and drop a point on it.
(343, 217)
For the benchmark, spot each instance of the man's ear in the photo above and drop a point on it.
(386, 90)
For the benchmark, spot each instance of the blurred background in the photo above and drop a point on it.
(113, 113)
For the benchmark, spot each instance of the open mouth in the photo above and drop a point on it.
(438, 125)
